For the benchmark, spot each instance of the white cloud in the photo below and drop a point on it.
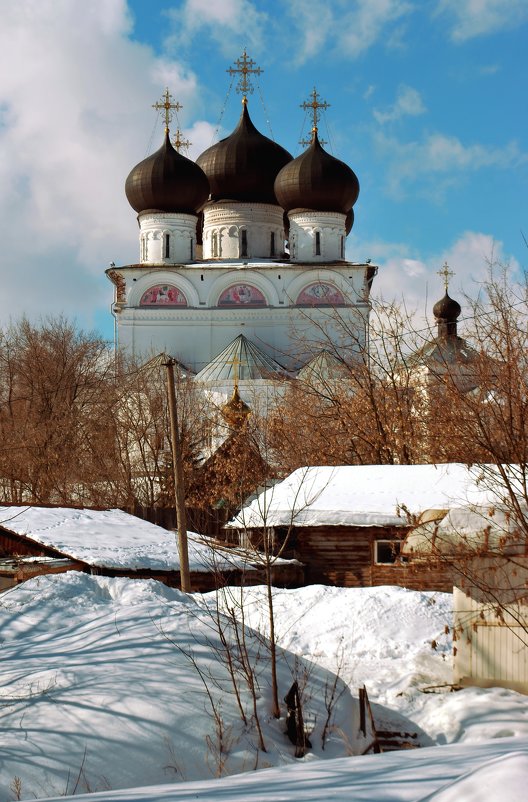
(313, 24)
(412, 278)
(490, 69)
(367, 21)
(408, 103)
(440, 160)
(76, 95)
(222, 20)
(471, 18)
(349, 28)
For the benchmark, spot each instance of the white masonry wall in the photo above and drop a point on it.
(166, 238)
(316, 236)
(225, 222)
(195, 334)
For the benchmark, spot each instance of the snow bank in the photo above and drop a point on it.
(98, 692)
(100, 689)
(393, 777)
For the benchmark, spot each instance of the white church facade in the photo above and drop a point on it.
(242, 271)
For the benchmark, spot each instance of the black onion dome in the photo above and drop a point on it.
(317, 181)
(166, 181)
(244, 165)
(447, 309)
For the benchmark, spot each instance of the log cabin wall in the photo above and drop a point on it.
(16, 545)
(346, 557)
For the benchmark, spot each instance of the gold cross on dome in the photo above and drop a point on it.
(235, 362)
(314, 105)
(245, 66)
(446, 274)
(178, 142)
(167, 104)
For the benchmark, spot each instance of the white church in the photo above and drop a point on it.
(242, 270)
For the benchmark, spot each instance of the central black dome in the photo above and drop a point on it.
(244, 165)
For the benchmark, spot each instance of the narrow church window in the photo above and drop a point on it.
(243, 242)
(191, 249)
(272, 244)
(166, 243)
(214, 241)
(317, 243)
(144, 249)
(342, 247)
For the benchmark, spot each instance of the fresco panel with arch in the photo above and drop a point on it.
(163, 295)
(320, 293)
(242, 295)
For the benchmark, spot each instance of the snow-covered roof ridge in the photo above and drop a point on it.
(111, 539)
(370, 495)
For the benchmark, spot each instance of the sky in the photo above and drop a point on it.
(427, 105)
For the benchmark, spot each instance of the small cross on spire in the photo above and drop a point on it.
(244, 66)
(167, 104)
(314, 105)
(235, 362)
(178, 142)
(446, 274)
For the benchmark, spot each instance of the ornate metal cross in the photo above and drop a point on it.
(446, 274)
(314, 105)
(244, 66)
(178, 142)
(167, 104)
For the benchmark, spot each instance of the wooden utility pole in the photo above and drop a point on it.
(179, 483)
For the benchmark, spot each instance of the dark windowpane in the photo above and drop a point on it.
(387, 551)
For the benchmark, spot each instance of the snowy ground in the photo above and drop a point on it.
(384, 637)
(98, 692)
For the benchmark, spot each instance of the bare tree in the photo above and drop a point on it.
(55, 400)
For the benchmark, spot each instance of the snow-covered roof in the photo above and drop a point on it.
(367, 495)
(467, 530)
(112, 539)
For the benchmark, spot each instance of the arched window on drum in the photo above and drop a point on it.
(163, 295)
(321, 294)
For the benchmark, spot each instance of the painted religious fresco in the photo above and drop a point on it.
(242, 295)
(320, 294)
(163, 295)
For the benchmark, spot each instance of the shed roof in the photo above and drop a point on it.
(369, 495)
(111, 539)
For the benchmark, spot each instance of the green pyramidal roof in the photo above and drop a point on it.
(241, 360)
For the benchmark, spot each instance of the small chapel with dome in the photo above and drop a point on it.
(242, 271)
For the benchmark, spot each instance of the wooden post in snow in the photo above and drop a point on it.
(179, 485)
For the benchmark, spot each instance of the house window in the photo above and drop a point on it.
(317, 243)
(166, 245)
(272, 244)
(386, 552)
(243, 242)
